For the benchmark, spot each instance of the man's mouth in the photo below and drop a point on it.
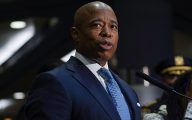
(106, 45)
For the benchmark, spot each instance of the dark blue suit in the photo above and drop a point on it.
(72, 92)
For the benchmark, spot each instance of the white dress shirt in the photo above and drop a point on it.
(92, 66)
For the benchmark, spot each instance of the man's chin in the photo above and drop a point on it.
(104, 58)
(101, 57)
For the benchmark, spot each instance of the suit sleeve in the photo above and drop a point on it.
(48, 100)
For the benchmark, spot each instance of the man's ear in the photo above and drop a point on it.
(74, 33)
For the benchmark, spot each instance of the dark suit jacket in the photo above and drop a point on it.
(72, 92)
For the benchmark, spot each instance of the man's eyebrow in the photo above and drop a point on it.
(95, 20)
(114, 22)
(99, 20)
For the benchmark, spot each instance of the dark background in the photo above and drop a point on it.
(149, 30)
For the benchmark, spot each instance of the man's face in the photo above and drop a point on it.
(97, 37)
(170, 79)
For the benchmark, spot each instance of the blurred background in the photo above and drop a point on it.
(34, 37)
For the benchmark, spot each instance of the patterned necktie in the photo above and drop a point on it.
(116, 95)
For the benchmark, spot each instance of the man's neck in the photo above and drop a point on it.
(87, 60)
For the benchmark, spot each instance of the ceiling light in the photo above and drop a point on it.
(15, 43)
(7, 118)
(18, 24)
(4, 103)
(19, 95)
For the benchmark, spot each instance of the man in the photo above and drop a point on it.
(171, 68)
(171, 71)
(77, 90)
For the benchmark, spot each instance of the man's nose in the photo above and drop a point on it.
(105, 32)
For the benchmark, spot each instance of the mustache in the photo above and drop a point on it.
(106, 41)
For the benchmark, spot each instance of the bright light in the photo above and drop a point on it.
(18, 24)
(4, 103)
(146, 71)
(15, 42)
(7, 118)
(19, 95)
(66, 57)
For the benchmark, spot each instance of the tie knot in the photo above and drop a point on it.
(103, 72)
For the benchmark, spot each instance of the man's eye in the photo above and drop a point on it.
(97, 25)
(114, 27)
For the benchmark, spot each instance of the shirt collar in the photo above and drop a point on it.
(89, 63)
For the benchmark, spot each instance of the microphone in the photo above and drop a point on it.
(160, 84)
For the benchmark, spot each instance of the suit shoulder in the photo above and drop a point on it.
(59, 71)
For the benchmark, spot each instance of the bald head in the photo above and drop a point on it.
(95, 31)
(89, 9)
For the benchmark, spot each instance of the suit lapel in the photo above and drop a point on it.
(90, 82)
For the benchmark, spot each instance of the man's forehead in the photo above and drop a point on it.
(91, 10)
(99, 11)
(99, 5)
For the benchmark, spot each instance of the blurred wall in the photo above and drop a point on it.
(145, 29)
